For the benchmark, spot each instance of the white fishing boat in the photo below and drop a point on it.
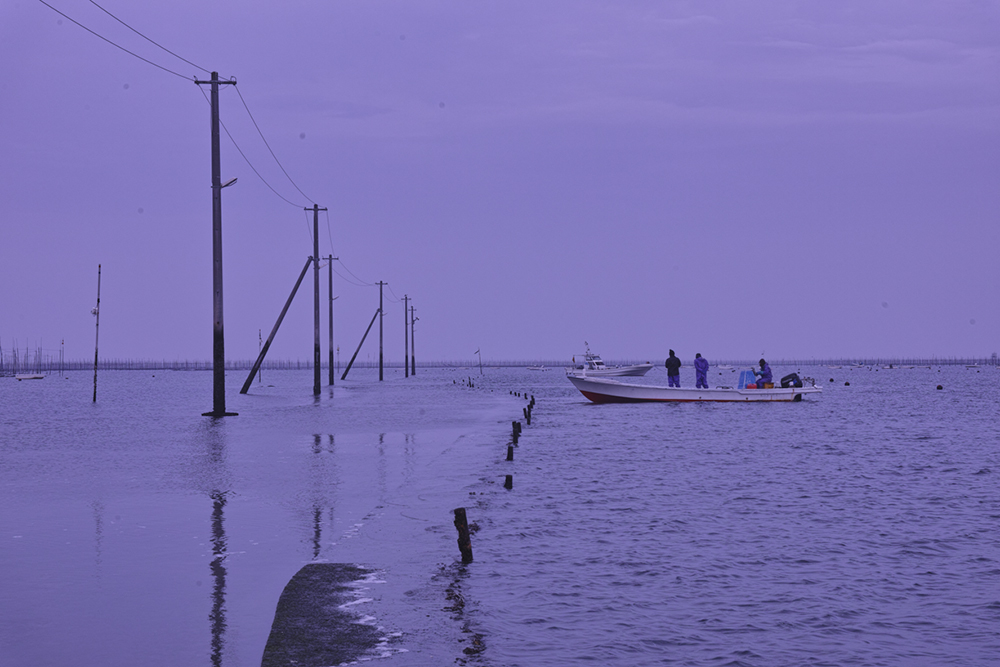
(725, 367)
(604, 390)
(537, 368)
(593, 365)
(29, 376)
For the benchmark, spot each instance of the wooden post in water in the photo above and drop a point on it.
(97, 328)
(464, 538)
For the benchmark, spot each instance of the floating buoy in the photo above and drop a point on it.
(831, 379)
(847, 384)
(940, 386)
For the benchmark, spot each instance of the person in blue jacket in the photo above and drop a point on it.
(763, 375)
(673, 370)
(700, 371)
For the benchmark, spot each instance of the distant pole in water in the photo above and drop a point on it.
(330, 290)
(413, 343)
(317, 364)
(406, 337)
(218, 335)
(480, 361)
(97, 328)
(260, 345)
(380, 284)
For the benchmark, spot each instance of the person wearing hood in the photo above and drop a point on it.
(673, 370)
(764, 374)
(700, 371)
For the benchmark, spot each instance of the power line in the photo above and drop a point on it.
(329, 231)
(148, 39)
(250, 164)
(348, 280)
(254, 120)
(398, 300)
(99, 36)
(352, 273)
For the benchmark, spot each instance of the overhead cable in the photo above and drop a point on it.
(254, 120)
(148, 39)
(99, 36)
(250, 164)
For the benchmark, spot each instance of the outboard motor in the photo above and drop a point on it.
(791, 380)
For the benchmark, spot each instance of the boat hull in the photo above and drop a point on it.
(601, 390)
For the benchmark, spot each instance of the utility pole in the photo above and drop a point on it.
(330, 290)
(218, 337)
(316, 353)
(406, 337)
(97, 327)
(380, 284)
(413, 344)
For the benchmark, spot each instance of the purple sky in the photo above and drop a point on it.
(802, 179)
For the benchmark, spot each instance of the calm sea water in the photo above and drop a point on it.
(859, 527)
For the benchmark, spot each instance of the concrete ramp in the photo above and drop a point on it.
(311, 626)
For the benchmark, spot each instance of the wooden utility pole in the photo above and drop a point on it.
(97, 328)
(317, 371)
(218, 337)
(413, 344)
(380, 284)
(406, 338)
(330, 290)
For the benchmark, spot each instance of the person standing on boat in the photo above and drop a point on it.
(764, 374)
(673, 370)
(700, 371)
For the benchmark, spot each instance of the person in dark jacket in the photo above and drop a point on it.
(673, 370)
(763, 375)
(700, 371)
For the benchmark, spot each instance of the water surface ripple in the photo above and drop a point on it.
(856, 528)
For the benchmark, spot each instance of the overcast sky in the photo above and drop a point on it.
(799, 179)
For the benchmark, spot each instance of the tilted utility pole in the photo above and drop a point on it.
(317, 372)
(406, 338)
(218, 337)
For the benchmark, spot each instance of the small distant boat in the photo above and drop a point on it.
(833, 367)
(603, 390)
(972, 365)
(537, 368)
(725, 367)
(593, 365)
(29, 376)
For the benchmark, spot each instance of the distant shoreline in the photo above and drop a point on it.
(55, 366)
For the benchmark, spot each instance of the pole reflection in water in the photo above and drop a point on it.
(98, 508)
(215, 479)
(217, 617)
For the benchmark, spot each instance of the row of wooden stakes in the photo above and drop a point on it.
(461, 520)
